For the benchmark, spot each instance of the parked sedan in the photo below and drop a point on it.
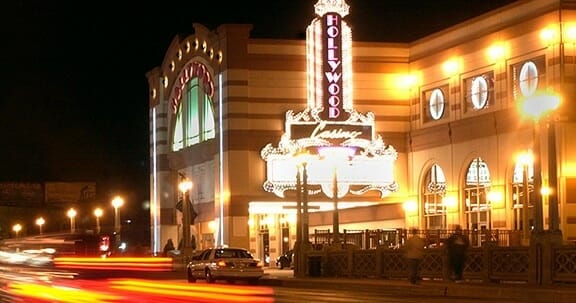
(224, 263)
(285, 260)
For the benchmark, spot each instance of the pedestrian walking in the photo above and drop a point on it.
(414, 253)
(457, 246)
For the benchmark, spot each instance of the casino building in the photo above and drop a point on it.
(425, 134)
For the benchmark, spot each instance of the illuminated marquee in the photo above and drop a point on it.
(330, 120)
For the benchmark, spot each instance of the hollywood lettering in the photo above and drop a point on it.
(336, 133)
(332, 58)
(190, 71)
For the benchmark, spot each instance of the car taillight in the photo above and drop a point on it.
(221, 263)
(259, 264)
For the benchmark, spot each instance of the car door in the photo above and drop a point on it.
(200, 263)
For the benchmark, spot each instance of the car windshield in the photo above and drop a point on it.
(232, 253)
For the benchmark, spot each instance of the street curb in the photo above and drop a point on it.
(523, 292)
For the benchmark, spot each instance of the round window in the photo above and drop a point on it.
(528, 79)
(436, 104)
(479, 92)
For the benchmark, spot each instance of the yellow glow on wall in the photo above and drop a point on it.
(405, 81)
(212, 225)
(570, 33)
(550, 35)
(451, 67)
(570, 169)
(497, 52)
(496, 198)
(410, 207)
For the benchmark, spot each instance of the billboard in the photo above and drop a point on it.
(69, 192)
(21, 194)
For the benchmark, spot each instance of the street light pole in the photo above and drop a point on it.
(72, 215)
(184, 187)
(98, 214)
(298, 257)
(335, 217)
(117, 202)
(40, 221)
(17, 228)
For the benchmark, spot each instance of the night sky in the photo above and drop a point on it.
(73, 93)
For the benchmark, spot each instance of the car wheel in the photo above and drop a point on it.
(281, 264)
(191, 278)
(209, 278)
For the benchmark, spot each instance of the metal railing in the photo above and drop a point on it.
(394, 238)
(494, 256)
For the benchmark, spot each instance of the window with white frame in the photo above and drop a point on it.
(479, 91)
(476, 188)
(434, 191)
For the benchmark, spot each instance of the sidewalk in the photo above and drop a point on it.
(565, 293)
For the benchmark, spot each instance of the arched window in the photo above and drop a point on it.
(434, 191)
(194, 117)
(477, 205)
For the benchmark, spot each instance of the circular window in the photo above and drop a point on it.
(528, 78)
(479, 92)
(436, 104)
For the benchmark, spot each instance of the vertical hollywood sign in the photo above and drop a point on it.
(332, 66)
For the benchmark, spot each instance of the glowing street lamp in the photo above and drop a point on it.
(40, 221)
(98, 213)
(184, 187)
(117, 202)
(72, 215)
(537, 107)
(17, 228)
(337, 155)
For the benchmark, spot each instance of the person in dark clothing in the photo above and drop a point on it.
(168, 247)
(457, 246)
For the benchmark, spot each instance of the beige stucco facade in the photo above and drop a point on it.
(256, 81)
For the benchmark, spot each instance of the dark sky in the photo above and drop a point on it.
(73, 93)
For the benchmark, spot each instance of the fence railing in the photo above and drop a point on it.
(534, 264)
(394, 238)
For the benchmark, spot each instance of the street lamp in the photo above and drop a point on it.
(302, 238)
(536, 107)
(40, 221)
(336, 154)
(98, 213)
(117, 202)
(184, 186)
(525, 159)
(72, 215)
(17, 228)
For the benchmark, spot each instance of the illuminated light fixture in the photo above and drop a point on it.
(153, 93)
(495, 197)
(179, 54)
(410, 207)
(539, 104)
(165, 81)
(219, 57)
(570, 35)
(449, 202)
(172, 66)
(545, 191)
(187, 46)
(497, 52)
(250, 222)
(406, 81)
(549, 35)
(451, 67)
(204, 46)
(196, 44)
(212, 225)
(211, 53)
